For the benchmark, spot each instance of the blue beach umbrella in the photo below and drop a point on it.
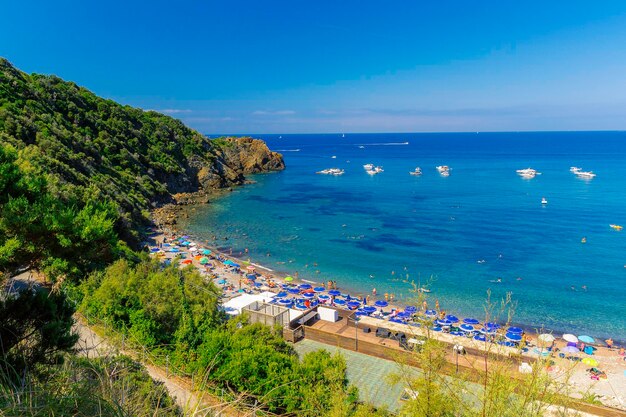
(517, 330)
(470, 321)
(154, 250)
(586, 339)
(404, 314)
(206, 252)
(314, 303)
(323, 297)
(480, 337)
(251, 276)
(457, 333)
(175, 250)
(304, 286)
(484, 330)
(334, 292)
(369, 309)
(513, 337)
(467, 327)
(185, 237)
(436, 329)
(430, 313)
(381, 303)
(506, 343)
(360, 313)
(410, 309)
(395, 320)
(444, 322)
(319, 289)
(222, 281)
(281, 294)
(492, 325)
(293, 291)
(453, 319)
(258, 284)
(354, 304)
(308, 295)
(340, 301)
(285, 302)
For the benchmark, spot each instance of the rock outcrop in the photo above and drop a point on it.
(235, 158)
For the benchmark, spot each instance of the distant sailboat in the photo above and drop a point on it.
(343, 136)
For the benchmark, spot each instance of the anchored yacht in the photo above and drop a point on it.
(331, 171)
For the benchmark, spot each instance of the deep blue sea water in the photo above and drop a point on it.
(386, 230)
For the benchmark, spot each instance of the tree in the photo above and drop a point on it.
(35, 327)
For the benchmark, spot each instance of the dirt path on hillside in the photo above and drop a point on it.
(193, 403)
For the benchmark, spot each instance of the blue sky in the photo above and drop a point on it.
(337, 66)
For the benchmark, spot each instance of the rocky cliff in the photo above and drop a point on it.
(235, 158)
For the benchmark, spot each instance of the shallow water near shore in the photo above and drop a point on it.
(387, 230)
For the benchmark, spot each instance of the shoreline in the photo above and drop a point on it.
(281, 272)
(613, 366)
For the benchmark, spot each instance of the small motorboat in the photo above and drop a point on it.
(417, 171)
(585, 175)
(616, 226)
(331, 171)
(543, 200)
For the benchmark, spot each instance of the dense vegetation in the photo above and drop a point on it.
(174, 312)
(92, 148)
(111, 386)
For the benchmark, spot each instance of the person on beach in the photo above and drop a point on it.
(374, 292)
(391, 298)
(425, 305)
(609, 343)
(437, 305)
(386, 296)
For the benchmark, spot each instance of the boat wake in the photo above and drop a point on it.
(383, 144)
(287, 150)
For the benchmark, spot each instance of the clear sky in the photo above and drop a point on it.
(235, 66)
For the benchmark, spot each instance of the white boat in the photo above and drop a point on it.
(417, 171)
(575, 170)
(543, 200)
(375, 170)
(443, 169)
(585, 174)
(368, 166)
(333, 157)
(528, 173)
(331, 171)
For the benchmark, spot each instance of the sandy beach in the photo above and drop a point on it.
(608, 384)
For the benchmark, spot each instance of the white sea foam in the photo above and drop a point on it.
(383, 144)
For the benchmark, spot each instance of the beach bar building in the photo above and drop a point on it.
(268, 314)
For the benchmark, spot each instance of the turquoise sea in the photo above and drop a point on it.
(386, 230)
